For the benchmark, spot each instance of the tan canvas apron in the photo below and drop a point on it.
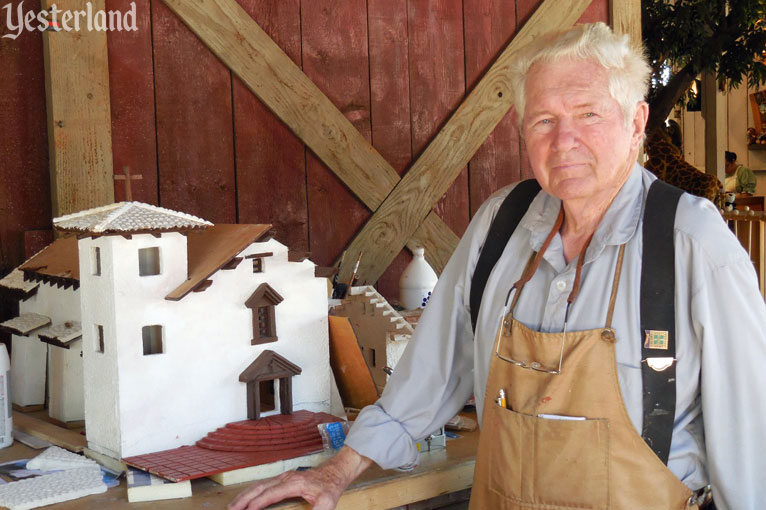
(596, 461)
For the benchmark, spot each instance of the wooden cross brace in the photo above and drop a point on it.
(403, 214)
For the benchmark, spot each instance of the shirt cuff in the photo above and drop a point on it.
(377, 436)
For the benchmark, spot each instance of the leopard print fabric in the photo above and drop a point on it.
(667, 163)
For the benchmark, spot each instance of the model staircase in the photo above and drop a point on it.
(272, 434)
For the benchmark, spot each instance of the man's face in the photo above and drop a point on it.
(731, 166)
(576, 137)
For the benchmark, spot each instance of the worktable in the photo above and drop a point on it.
(441, 472)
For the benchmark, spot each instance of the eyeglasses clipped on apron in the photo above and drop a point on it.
(529, 271)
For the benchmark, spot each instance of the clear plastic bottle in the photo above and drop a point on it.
(6, 420)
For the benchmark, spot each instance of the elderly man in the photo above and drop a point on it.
(611, 401)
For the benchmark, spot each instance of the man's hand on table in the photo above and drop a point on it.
(321, 486)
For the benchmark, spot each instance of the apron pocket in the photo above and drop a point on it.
(541, 461)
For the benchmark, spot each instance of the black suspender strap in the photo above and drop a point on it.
(658, 317)
(503, 225)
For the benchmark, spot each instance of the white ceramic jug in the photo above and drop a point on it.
(417, 282)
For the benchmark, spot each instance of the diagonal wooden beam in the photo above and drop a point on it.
(428, 179)
(232, 35)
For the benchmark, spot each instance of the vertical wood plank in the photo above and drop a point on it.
(688, 125)
(25, 190)
(131, 87)
(390, 103)
(714, 114)
(699, 141)
(598, 10)
(271, 160)
(489, 27)
(335, 58)
(437, 87)
(625, 16)
(79, 119)
(735, 123)
(195, 144)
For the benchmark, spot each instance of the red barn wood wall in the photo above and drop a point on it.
(205, 145)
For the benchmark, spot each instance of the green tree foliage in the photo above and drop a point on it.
(726, 38)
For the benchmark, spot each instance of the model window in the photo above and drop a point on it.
(262, 304)
(257, 265)
(95, 261)
(148, 261)
(99, 338)
(152, 338)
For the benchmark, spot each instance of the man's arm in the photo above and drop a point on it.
(321, 486)
(729, 318)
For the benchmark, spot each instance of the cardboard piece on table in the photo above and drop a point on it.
(354, 379)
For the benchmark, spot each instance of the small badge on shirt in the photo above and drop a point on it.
(656, 339)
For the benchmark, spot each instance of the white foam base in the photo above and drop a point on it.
(55, 458)
(268, 470)
(53, 488)
(144, 486)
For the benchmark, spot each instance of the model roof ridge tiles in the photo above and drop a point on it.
(126, 217)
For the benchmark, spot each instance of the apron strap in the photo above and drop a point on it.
(615, 286)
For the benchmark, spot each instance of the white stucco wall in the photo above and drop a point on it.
(27, 370)
(65, 383)
(175, 398)
(120, 300)
(138, 403)
(28, 360)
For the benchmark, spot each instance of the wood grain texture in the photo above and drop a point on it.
(25, 189)
(195, 138)
(35, 426)
(435, 170)
(78, 113)
(238, 41)
(489, 27)
(598, 10)
(335, 59)
(390, 103)
(625, 18)
(131, 88)
(437, 87)
(270, 159)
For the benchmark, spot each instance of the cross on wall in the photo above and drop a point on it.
(127, 177)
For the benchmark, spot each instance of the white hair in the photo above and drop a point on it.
(627, 70)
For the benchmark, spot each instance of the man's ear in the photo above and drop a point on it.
(639, 124)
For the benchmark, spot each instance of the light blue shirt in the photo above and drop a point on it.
(719, 434)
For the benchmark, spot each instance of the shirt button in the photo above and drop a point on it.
(561, 285)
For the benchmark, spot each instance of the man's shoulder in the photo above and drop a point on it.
(701, 224)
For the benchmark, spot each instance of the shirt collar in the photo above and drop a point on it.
(617, 227)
